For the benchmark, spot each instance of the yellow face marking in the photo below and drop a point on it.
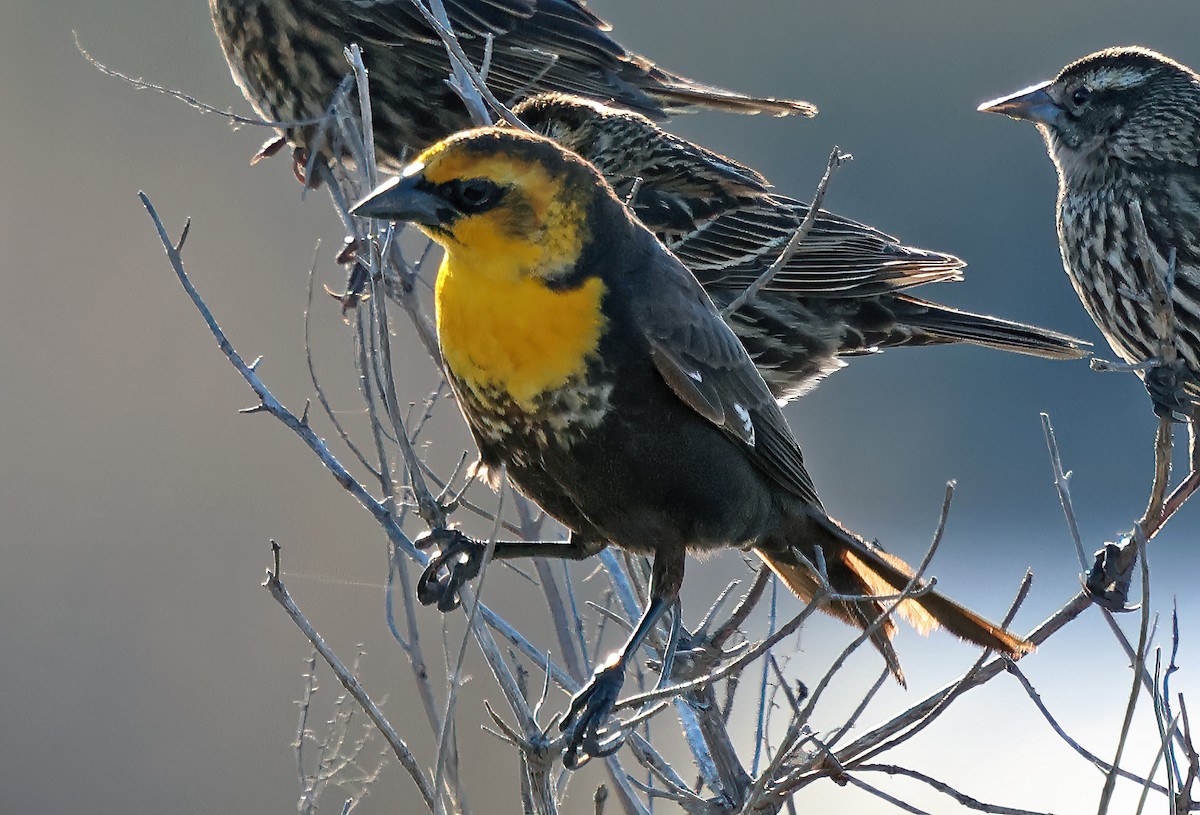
(538, 231)
(500, 323)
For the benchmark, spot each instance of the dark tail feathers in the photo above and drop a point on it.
(680, 98)
(856, 567)
(933, 323)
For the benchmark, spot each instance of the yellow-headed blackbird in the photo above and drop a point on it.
(1123, 128)
(287, 57)
(590, 363)
(839, 295)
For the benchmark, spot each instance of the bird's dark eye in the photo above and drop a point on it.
(473, 194)
(1081, 95)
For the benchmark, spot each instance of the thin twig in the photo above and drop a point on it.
(1110, 780)
(836, 159)
(1163, 745)
(1088, 756)
(1062, 483)
(960, 686)
(444, 751)
(795, 729)
(405, 756)
(191, 101)
(944, 788)
(881, 733)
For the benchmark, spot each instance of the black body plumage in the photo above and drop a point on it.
(680, 445)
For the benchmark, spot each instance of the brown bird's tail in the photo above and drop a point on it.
(856, 567)
(932, 324)
(681, 96)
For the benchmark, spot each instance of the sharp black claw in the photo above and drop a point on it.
(1166, 385)
(458, 560)
(1108, 581)
(585, 718)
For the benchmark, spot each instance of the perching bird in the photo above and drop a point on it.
(840, 294)
(287, 58)
(589, 363)
(1123, 128)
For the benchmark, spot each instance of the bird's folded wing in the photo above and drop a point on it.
(838, 258)
(566, 32)
(705, 365)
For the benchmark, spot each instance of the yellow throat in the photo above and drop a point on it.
(499, 328)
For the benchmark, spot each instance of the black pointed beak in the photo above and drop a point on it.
(403, 199)
(1033, 104)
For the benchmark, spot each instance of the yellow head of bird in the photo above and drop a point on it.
(500, 201)
(518, 309)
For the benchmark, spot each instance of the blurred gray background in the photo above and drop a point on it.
(143, 669)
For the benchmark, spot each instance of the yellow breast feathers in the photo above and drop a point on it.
(512, 332)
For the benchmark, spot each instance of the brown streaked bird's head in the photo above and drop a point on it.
(512, 203)
(581, 125)
(678, 182)
(624, 144)
(1116, 109)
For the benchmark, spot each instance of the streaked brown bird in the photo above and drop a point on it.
(589, 362)
(287, 58)
(1123, 128)
(842, 294)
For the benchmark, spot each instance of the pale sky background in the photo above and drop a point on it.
(145, 670)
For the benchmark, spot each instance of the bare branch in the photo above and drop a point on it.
(836, 159)
(190, 101)
(1062, 483)
(1090, 757)
(944, 788)
(1110, 780)
(407, 760)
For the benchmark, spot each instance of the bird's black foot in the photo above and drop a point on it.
(1108, 581)
(585, 717)
(458, 560)
(1165, 384)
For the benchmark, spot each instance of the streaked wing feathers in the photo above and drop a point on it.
(838, 258)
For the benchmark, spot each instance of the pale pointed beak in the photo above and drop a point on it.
(1033, 104)
(402, 199)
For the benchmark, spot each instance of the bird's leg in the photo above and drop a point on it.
(672, 645)
(590, 707)
(1189, 485)
(460, 558)
(356, 279)
(1109, 579)
(1162, 473)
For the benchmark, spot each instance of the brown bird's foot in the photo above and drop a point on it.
(585, 718)
(357, 278)
(1108, 581)
(1165, 384)
(458, 560)
(300, 158)
(270, 147)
